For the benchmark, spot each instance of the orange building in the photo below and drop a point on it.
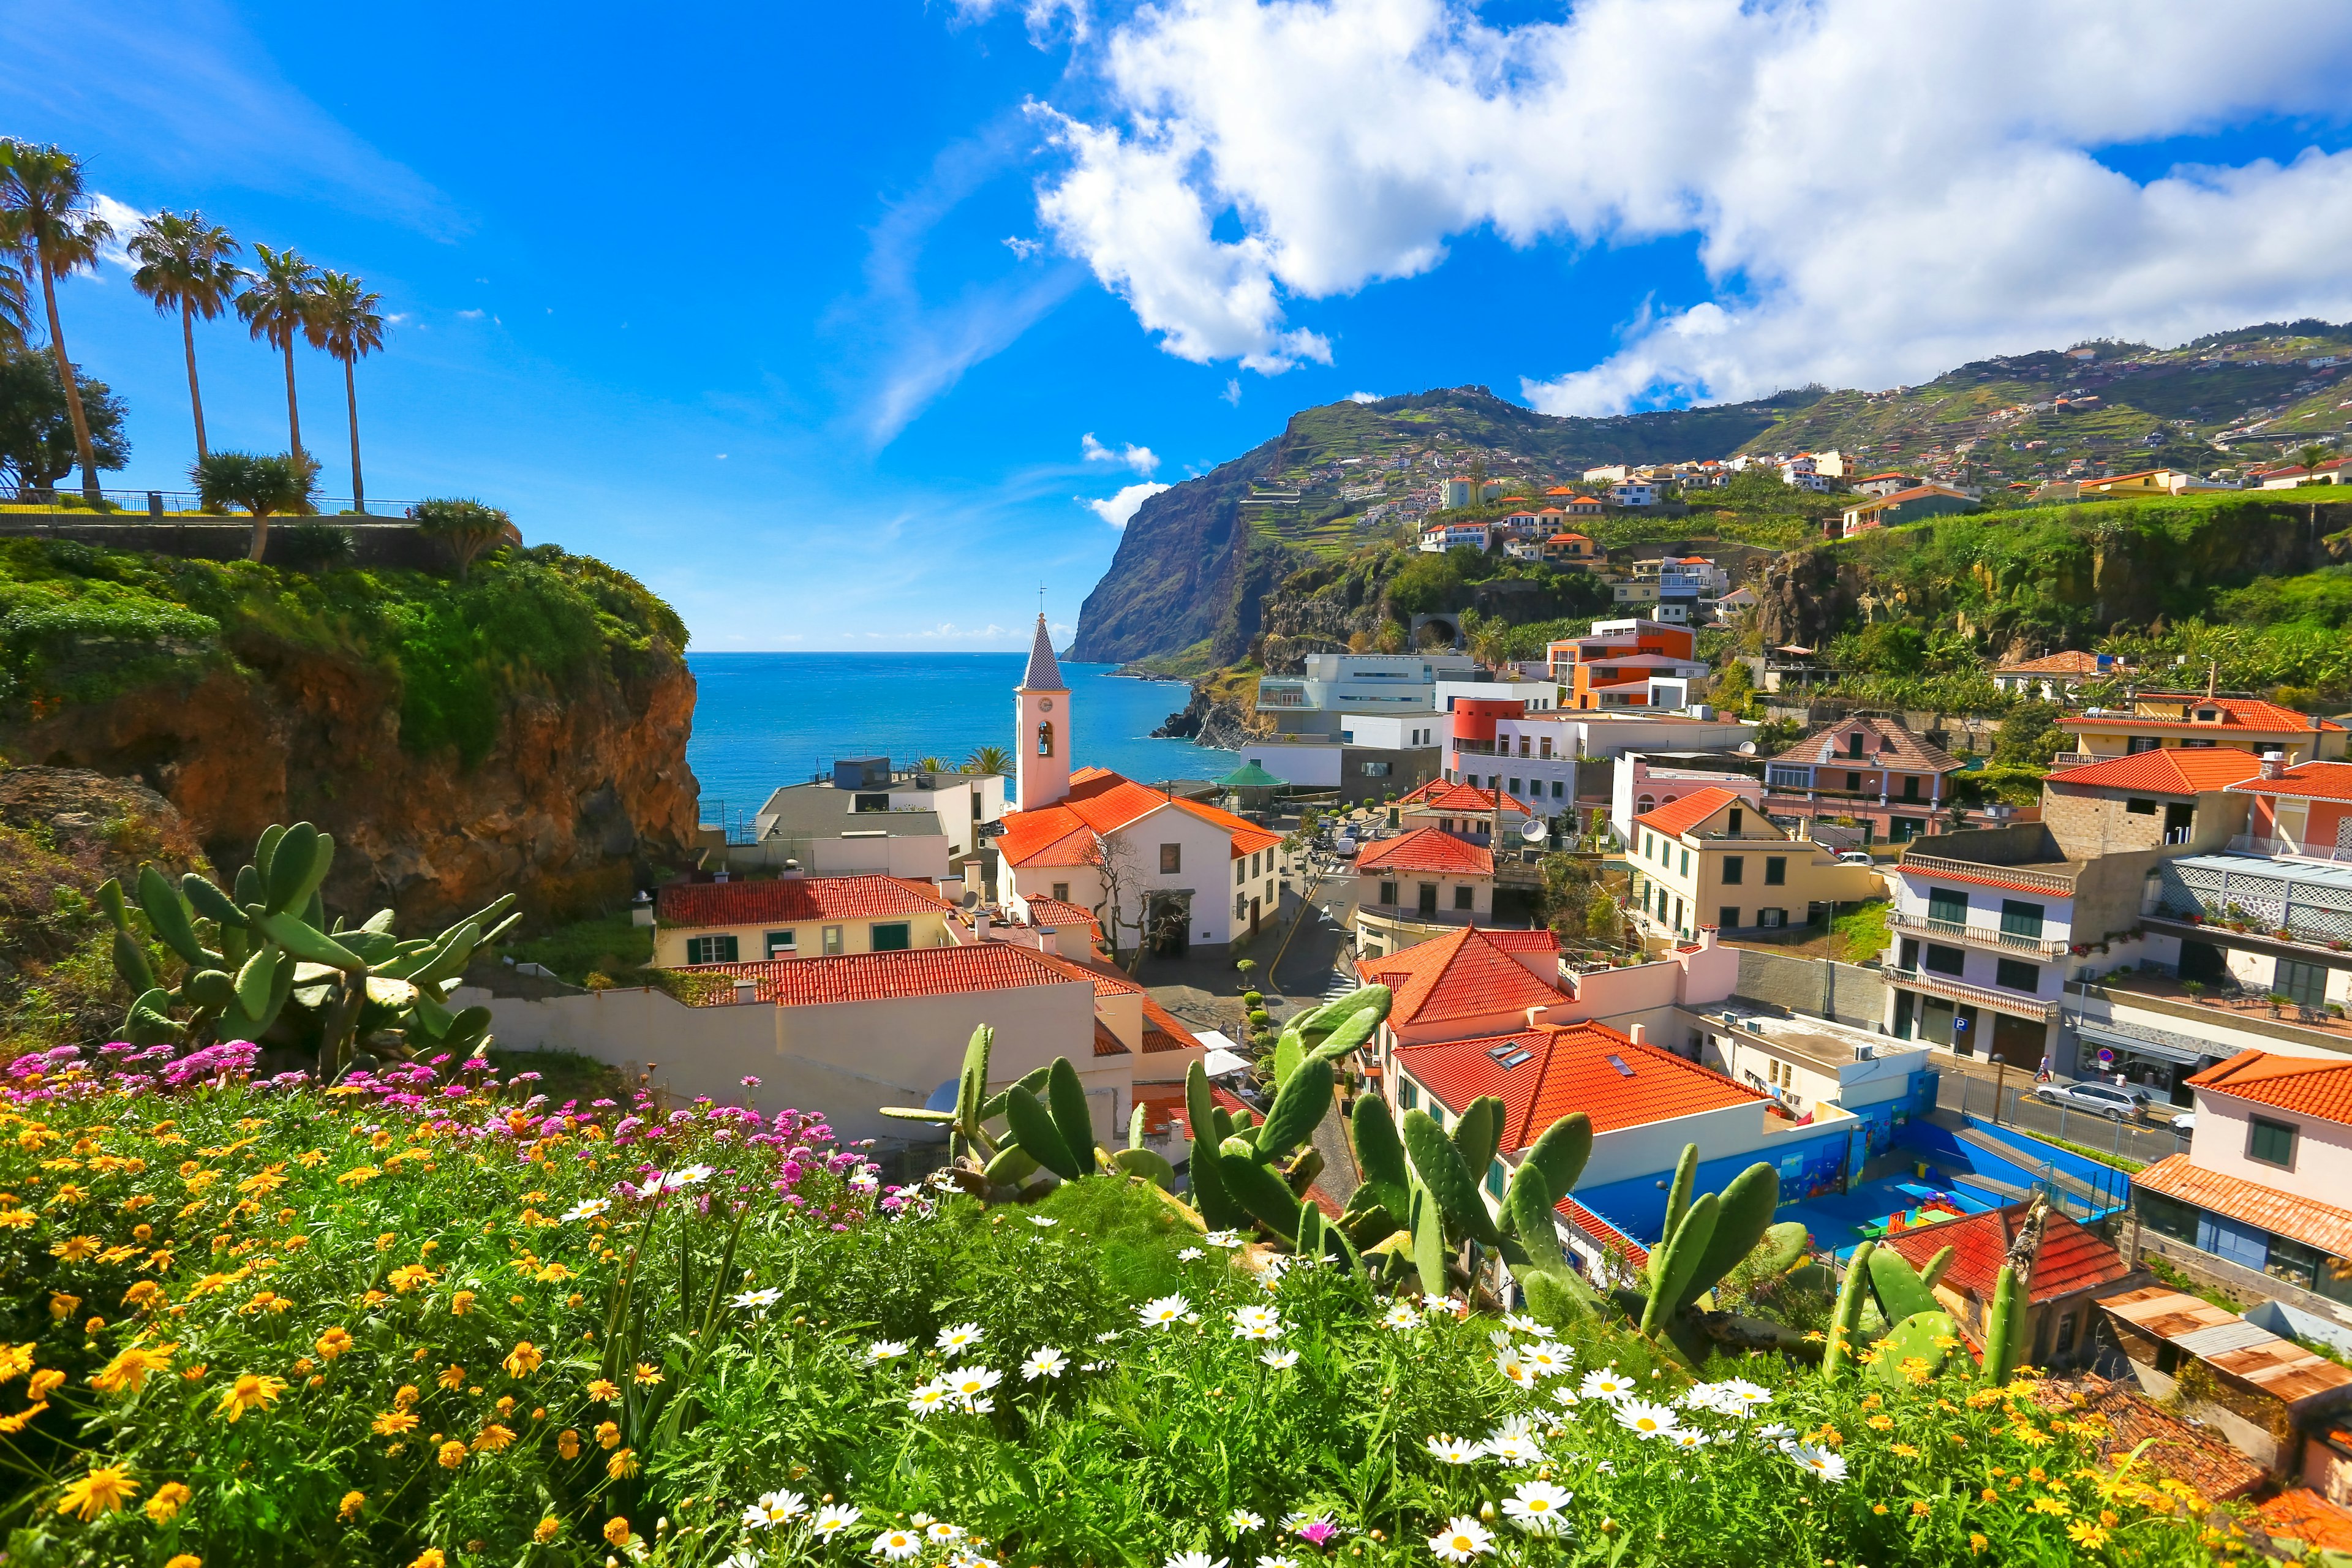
(1611, 667)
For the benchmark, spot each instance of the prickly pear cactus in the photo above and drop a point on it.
(1914, 1350)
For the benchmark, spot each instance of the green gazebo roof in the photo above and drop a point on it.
(1249, 776)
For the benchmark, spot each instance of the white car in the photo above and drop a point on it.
(1856, 858)
(1344, 847)
(2106, 1099)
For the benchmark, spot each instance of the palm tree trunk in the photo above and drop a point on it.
(351, 401)
(260, 535)
(65, 373)
(293, 414)
(196, 395)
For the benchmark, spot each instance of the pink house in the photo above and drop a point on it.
(2303, 811)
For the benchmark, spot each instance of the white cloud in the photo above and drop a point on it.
(1046, 18)
(469, 315)
(1363, 397)
(1024, 248)
(1233, 392)
(1142, 459)
(1876, 192)
(124, 220)
(1119, 507)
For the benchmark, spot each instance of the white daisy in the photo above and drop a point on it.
(1281, 1361)
(1044, 1361)
(1190, 1254)
(1256, 1323)
(1455, 1450)
(1400, 1317)
(1520, 1323)
(834, 1518)
(588, 1209)
(980, 1406)
(886, 1350)
(1775, 1433)
(1515, 1448)
(1194, 1560)
(1645, 1419)
(931, 1397)
(897, 1545)
(1042, 1223)
(1516, 1373)
(1688, 1437)
(1607, 1383)
(969, 1383)
(1162, 1313)
(1499, 1338)
(1106, 1338)
(1538, 1507)
(1819, 1461)
(774, 1509)
(1564, 1394)
(1547, 1359)
(1443, 1307)
(941, 1531)
(1740, 1396)
(686, 1176)
(758, 1300)
(1241, 1521)
(1462, 1539)
(1223, 1238)
(963, 1336)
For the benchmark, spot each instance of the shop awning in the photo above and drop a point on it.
(2178, 1048)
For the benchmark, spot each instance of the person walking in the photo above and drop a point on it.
(2043, 1073)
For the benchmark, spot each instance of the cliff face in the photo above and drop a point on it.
(573, 788)
(1188, 567)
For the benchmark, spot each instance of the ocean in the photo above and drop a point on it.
(761, 720)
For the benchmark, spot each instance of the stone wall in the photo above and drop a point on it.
(1844, 992)
(375, 541)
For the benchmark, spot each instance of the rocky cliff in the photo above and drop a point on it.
(526, 731)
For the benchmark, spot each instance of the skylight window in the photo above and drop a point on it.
(1619, 1063)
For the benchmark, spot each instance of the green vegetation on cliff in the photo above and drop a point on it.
(79, 624)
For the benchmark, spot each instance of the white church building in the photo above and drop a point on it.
(1154, 869)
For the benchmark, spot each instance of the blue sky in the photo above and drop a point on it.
(725, 295)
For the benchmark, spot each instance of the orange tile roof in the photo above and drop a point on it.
(2072, 661)
(2291, 1214)
(1102, 802)
(1601, 1231)
(2242, 713)
(1679, 816)
(2304, 781)
(2301, 1514)
(2159, 1445)
(1428, 849)
(786, 899)
(2071, 1258)
(1057, 914)
(878, 976)
(1439, 795)
(2167, 770)
(1463, 975)
(1106, 1043)
(2309, 1086)
(1885, 744)
(1567, 1069)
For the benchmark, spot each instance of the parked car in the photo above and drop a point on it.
(2185, 1123)
(2124, 1102)
(1856, 858)
(1344, 847)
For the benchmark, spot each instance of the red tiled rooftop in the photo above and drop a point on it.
(2071, 1258)
(2304, 781)
(2160, 1445)
(1678, 817)
(1057, 914)
(1885, 744)
(1439, 795)
(2168, 769)
(2291, 1214)
(2072, 661)
(2312, 1085)
(1463, 975)
(1428, 849)
(2236, 712)
(876, 976)
(788, 900)
(1568, 1068)
(2301, 1514)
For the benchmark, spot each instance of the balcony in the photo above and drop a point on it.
(2057, 884)
(2073, 760)
(1982, 935)
(2292, 850)
(2009, 1002)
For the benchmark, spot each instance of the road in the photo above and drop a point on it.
(1970, 1087)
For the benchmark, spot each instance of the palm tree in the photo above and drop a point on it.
(349, 324)
(279, 306)
(987, 759)
(284, 484)
(2311, 457)
(184, 266)
(45, 214)
(466, 528)
(16, 316)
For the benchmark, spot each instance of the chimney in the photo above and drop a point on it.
(746, 989)
(1708, 938)
(1636, 1033)
(980, 925)
(1045, 939)
(2274, 765)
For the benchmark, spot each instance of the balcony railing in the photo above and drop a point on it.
(2060, 885)
(1980, 995)
(1984, 935)
(2073, 760)
(2248, 844)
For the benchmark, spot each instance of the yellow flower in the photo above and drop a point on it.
(453, 1454)
(1880, 1423)
(608, 1434)
(2032, 1437)
(494, 1437)
(358, 1175)
(603, 1390)
(251, 1390)
(349, 1508)
(1977, 1541)
(430, 1557)
(409, 1276)
(523, 1360)
(61, 1306)
(130, 1367)
(623, 1465)
(393, 1423)
(1878, 1508)
(647, 1374)
(169, 1499)
(44, 1383)
(2050, 1505)
(185, 1560)
(554, 1273)
(142, 1295)
(452, 1378)
(567, 1443)
(1920, 1509)
(333, 1342)
(2082, 1533)
(1903, 1450)
(15, 1218)
(616, 1531)
(547, 1531)
(406, 1397)
(462, 1302)
(104, 1489)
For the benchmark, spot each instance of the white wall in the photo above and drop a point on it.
(2323, 1149)
(1309, 766)
(924, 858)
(1395, 731)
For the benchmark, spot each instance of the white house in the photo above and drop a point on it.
(1633, 493)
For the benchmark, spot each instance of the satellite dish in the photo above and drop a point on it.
(1534, 831)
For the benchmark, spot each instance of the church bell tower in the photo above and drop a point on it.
(1041, 768)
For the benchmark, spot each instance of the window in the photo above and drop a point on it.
(1947, 908)
(2016, 975)
(1045, 740)
(890, 936)
(1408, 1093)
(1462, 896)
(1941, 959)
(2140, 807)
(865, 803)
(1172, 859)
(831, 940)
(782, 944)
(1497, 1177)
(1731, 823)
(1559, 789)
(1427, 901)
(710, 950)
(1254, 858)
(1388, 892)
(1515, 786)
(1911, 788)
(1735, 870)
(2304, 983)
(1854, 744)
(1771, 919)
(1776, 870)
(1546, 748)
(1685, 862)
(2270, 1143)
(1728, 917)
(1854, 780)
(2167, 1216)
(2019, 918)
(1061, 892)
(1376, 770)
(2066, 1333)
(2294, 1263)
(1523, 745)
(2134, 745)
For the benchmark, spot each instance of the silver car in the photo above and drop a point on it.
(2119, 1102)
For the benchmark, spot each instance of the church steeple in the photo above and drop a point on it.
(1041, 703)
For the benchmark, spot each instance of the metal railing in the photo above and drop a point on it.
(1960, 991)
(2063, 886)
(2250, 844)
(1987, 936)
(130, 506)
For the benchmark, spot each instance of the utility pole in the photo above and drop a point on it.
(2000, 1076)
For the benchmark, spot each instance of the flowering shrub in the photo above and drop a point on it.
(428, 1319)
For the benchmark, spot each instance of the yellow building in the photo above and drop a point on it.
(1711, 858)
(795, 917)
(2156, 720)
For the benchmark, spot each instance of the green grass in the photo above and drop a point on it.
(1862, 931)
(613, 945)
